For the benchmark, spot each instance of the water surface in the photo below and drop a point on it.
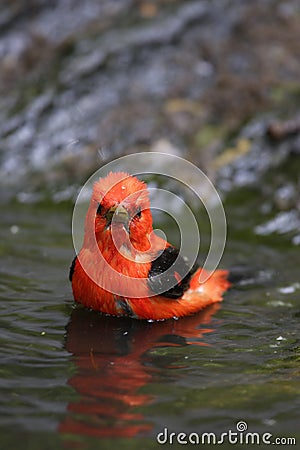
(70, 377)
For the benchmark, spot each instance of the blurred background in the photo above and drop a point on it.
(83, 82)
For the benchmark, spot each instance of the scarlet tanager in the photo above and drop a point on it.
(124, 269)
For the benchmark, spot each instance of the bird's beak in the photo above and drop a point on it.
(118, 214)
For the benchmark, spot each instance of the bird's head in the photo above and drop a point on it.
(120, 206)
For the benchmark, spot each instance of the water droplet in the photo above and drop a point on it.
(287, 290)
(14, 229)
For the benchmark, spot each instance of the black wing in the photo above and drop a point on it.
(72, 268)
(179, 276)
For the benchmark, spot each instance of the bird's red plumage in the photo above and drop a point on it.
(94, 287)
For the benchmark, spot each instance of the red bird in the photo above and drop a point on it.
(124, 269)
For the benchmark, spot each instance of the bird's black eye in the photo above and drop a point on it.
(100, 209)
(138, 213)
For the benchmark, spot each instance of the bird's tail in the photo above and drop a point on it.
(213, 288)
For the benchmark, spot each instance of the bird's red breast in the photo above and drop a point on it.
(121, 259)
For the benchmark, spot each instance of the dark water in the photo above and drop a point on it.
(71, 378)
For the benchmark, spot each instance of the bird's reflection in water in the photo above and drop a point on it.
(113, 361)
